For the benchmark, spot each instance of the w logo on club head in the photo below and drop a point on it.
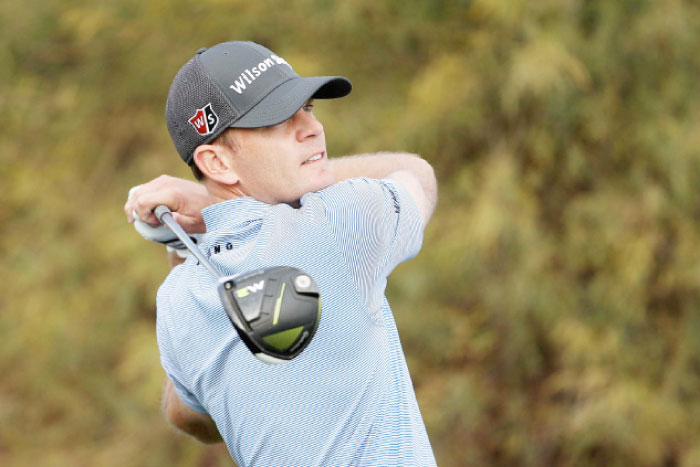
(250, 289)
(204, 120)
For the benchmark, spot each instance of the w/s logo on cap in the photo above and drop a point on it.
(204, 120)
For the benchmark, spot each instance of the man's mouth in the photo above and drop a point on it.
(314, 158)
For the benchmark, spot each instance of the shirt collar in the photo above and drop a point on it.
(233, 211)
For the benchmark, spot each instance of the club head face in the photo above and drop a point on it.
(276, 311)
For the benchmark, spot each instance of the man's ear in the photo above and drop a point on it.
(216, 163)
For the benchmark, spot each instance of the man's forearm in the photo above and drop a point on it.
(375, 165)
(415, 173)
(195, 424)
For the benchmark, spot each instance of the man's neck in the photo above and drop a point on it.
(219, 193)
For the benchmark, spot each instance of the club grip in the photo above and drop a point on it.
(159, 211)
(165, 217)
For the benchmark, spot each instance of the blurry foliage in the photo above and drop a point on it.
(552, 315)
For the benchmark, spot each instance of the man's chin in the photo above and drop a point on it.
(322, 186)
(324, 181)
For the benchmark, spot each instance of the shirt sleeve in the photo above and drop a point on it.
(376, 224)
(169, 363)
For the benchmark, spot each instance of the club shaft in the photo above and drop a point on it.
(165, 217)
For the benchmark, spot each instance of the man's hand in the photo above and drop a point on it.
(184, 198)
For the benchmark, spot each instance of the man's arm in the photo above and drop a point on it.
(414, 173)
(189, 197)
(196, 424)
(186, 198)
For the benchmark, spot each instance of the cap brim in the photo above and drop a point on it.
(286, 99)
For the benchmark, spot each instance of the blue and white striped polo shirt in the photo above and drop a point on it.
(347, 399)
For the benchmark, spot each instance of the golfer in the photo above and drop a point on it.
(268, 195)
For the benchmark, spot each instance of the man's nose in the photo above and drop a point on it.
(308, 125)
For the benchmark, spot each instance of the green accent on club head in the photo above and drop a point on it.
(284, 339)
(241, 293)
(278, 306)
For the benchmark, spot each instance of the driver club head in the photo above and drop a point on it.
(275, 311)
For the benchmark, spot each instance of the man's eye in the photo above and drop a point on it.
(308, 107)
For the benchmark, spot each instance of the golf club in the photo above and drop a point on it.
(275, 310)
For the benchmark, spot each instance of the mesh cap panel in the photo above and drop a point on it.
(192, 90)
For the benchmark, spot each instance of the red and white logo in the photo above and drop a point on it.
(204, 120)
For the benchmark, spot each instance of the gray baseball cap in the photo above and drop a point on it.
(238, 85)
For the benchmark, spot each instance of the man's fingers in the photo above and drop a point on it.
(144, 211)
(141, 204)
(184, 198)
(129, 216)
(130, 204)
(128, 210)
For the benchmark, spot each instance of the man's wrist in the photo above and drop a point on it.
(174, 258)
(162, 234)
(181, 252)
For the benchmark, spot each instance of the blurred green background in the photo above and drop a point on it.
(552, 317)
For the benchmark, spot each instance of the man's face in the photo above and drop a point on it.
(281, 163)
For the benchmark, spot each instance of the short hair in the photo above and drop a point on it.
(198, 175)
(226, 139)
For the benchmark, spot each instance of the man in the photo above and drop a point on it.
(269, 195)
